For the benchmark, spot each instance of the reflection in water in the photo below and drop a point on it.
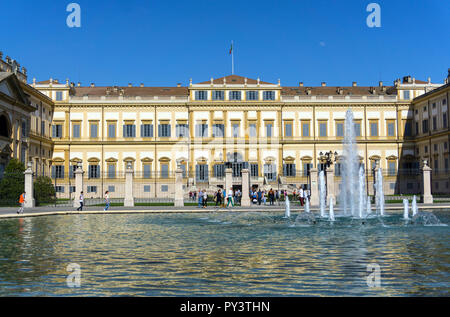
(227, 254)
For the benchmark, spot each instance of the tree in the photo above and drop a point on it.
(44, 191)
(13, 182)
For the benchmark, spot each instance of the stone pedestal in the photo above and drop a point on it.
(228, 180)
(129, 199)
(314, 187)
(179, 193)
(245, 200)
(330, 186)
(78, 185)
(29, 189)
(427, 197)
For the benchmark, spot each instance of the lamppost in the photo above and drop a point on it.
(326, 160)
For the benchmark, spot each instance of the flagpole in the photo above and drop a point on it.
(232, 58)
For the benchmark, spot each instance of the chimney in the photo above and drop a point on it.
(141, 85)
(178, 84)
(308, 91)
(380, 84)
(354, 84)
(92, 85)
(300, 84)
(78, 84)
(130, 85)
(324, 84)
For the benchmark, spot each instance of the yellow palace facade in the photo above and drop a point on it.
(277, 132)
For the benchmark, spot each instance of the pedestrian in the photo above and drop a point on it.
(238, 197)
(205, 198)
(218, 197)
(305, 194)
(271, 196)
(300, 195)
(21, 202)
(264, 197)
(259, 197)
(200, 199)
(81, 200)
(107, 202)
(230, 197)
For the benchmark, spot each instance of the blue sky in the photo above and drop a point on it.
(162, 43)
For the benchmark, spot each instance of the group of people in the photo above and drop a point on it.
(221, 198)
(301, 195)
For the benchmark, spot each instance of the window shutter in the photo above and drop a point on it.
(197, 172)
(53, 172)
(62, 171)
(206, 173)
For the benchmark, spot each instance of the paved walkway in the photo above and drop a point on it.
(11, 212)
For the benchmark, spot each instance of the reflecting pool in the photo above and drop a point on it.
(224, 254)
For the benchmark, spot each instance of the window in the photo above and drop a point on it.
(338, 169)
(289, 170)
(201, 95)
(219, 170)
(58, 171)
(254, 170)
(305, 129)
(92, 189)
(252, 130)
(94, 171)
(406, 95)
(323, 129)
(408, 128)
(417, 128)
(59, 189)
(182, 130)
(72, 169)
(269, 95)
(425, 126)
(57, 131)
(446, 165)
(164, 130)
(59, 96)
(392, 186)
(434, 123)
(76, 130)
(339, 129)
(357, 128)
(111, 130)
(147, 130)
(445, 145)
(252, 95)
(435, 146)
(129, 131)
(392, 166)
(426, 149)
(270, 172)
(218, 130)
(164, 170)
(147, 170)
(164, 188)
(146, 188)
(235, 95)
(390, 128)
(444, 120)
(373, 128)
(73, 189)
(218, 95)
(306, 168)
(436, 166)
(24, 128)
(269, 127)
(288, 130)
(235, 130)
(201, 130)
(111, 170)
(94, 130)
(111, 188)
(201, 172)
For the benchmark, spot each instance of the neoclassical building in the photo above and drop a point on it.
(277, 132)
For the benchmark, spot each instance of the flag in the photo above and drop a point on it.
(231, 48)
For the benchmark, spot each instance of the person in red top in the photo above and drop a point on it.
(21, 202)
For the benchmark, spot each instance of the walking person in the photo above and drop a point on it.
(22, 203)
(259, 197)
(218, 198)
(200, 199)
(300, 195)
(81, 200)
(264, 197)
(230, 197)
(107, 201)
(205, 198)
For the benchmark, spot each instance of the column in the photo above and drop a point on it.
(245, 200)
(330, 185)
(314, 187)
(129, 199)
(427, 197)
(29, 198)
(179, 192)
(228, 180)
(78, 184)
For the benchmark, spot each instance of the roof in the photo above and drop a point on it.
(234, 80)
(330, 90)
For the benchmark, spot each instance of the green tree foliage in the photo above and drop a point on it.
(44, 191)
(13, 182)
